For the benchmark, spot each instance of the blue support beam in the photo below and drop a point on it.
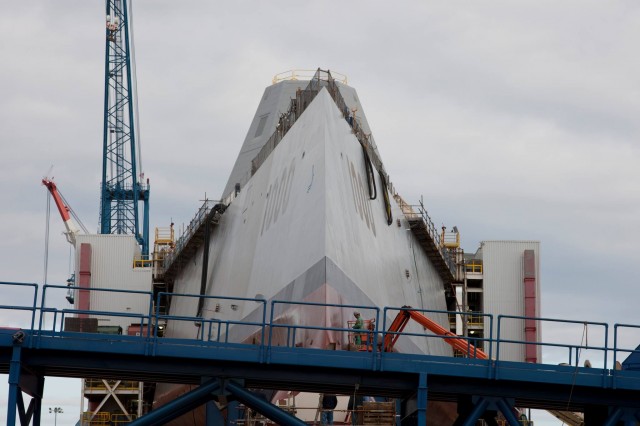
(478, 410)
(14, 384)
(213, 415)
(507, 411)
(23, 380)
(233, 414)
(267, 409)
(422, 399)
(628, 416)
(180, 405)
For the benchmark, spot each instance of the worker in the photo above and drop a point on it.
(329, 402)
(359, 325)
(371, 337)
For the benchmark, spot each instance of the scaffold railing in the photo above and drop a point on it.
(190, 231)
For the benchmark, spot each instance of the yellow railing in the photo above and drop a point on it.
(100, 418)
(143, 262)
(122, 418)
(305, 75)
(475, 319)
(474, 267)
(165, 236)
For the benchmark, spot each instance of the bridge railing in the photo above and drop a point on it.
(258, 324)
(624, 335)
(26, 291)
(56, 324)
(574, 353)
(308, 318)
(216, 328)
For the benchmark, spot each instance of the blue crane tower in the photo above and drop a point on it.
(123, 186)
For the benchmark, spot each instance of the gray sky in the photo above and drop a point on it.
(514, 120)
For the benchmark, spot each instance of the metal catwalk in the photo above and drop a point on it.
(220, 367)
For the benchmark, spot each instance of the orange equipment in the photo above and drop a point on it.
(401, 320)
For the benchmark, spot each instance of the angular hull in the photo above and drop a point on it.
(304, 229)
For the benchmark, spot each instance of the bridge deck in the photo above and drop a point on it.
(48, 351)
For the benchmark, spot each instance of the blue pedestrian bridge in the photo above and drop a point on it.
(34, 344)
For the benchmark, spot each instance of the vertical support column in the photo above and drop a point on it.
(530, 326)
(212, 414)
(14, 384)
(36, 402)
(213, 417)
(140, 399)
(232, 413)
(422, 399)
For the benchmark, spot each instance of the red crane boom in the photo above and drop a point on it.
(72, 229)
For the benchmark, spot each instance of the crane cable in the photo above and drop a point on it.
(46, 239)
(585, 340)
(73, 213)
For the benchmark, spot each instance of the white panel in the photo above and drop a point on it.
(504, 290)
(112, 268)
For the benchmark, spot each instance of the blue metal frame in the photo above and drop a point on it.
(121, 191)
(147, 357)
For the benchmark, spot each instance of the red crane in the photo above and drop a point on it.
(65, 211)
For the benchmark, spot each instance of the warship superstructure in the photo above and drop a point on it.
(308, 215)
(312, 219)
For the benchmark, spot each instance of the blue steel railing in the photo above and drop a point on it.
(291, 329)
(221, 337)
(571, 348)
(263, 319)
(7, 286)
(617, 329)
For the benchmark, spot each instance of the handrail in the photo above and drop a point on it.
(191, 229)
(31, 308)
(273, 324)
(617, 348)
(605, 348)
(295, 75)
(417, 212)
(266, 321)
(44, 309)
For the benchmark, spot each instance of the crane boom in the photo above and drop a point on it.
(402, 319)
(72, 229)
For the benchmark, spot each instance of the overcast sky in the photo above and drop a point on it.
(514, 120)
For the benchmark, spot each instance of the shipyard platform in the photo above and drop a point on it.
(224, 370)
